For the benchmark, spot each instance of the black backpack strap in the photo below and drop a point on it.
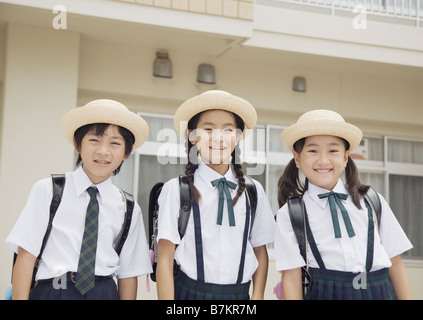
(297, 216)
(153, 215)
(373, 199)
(129, 209)
(58, 185)
(153, 211)
(185, 205)
(252, 196)
(58, 181)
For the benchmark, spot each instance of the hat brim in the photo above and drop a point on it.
(105, 113)
(343, 130)
(211, 100)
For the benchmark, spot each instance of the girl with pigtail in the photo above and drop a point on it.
(349, 254)
(220, 252)
(289, 184)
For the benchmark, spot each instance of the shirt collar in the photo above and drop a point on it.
(208, 174)
(314, 191)
(83, 182)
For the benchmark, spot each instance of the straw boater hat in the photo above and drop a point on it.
(215, 99)
(105, 111)
(321, 122)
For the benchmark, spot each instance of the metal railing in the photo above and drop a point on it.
(411, 10)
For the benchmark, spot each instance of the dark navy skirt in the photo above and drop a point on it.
(339, 285)
(105, 289)
(189, 289)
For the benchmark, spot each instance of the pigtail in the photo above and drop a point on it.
(239, 173)
(355, 188)
(289, 184)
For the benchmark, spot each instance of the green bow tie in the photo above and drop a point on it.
(224, 186)
(337, 197)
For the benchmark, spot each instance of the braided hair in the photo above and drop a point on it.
(192, 153)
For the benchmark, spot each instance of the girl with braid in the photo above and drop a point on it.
(220, 252)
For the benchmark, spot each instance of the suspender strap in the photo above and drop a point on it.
(244, 243)
(198, 243)
(313, 244)
(370, 239)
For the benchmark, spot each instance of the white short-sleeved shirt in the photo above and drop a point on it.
(343, 254)
(61, 253)
(221, 243)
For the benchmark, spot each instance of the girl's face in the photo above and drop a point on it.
(216, 136)
(101, 155)
(322, 160)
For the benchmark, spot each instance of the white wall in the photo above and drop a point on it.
(40, 79)
(370, 97)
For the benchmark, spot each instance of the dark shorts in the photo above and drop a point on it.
(105, 289)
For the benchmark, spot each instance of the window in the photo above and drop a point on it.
(394, 167)
(405, 175)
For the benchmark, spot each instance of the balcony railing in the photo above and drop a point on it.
(409, 10)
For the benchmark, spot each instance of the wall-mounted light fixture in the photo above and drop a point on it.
(206, 74)
(162, 65)
(299, 84)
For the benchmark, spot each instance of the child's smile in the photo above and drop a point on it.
(322, 160)
(323, 171)
(102, 162)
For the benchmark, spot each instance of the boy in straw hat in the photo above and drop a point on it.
(220, 252)
(350, 257)
(80, 249)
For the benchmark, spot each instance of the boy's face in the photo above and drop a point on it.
(101, 155)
